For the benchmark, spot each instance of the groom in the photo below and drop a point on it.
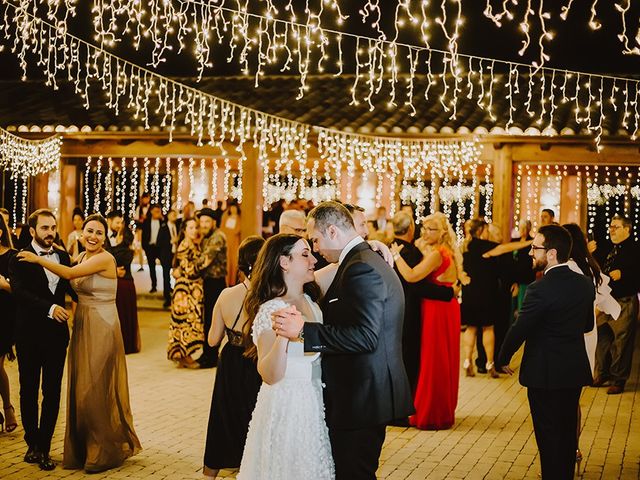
(42, 336)
(360, 342)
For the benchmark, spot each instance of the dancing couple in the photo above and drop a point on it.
(99, 430)
(350, 343)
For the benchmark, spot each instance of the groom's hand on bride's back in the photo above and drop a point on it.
(59, 314)
(287, 322)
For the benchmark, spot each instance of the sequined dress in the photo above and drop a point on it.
(288, 421)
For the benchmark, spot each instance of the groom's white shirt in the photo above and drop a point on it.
(51, 277)
(348, 247)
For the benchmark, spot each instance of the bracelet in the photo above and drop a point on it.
(395, 256)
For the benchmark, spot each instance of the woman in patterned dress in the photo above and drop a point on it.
(186, 331)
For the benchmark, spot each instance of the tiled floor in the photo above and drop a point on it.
(492, 437)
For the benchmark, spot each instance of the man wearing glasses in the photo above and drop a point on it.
(294, 223)
(616, 337)
(556, 312)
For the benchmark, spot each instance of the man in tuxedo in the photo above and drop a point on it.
(115, 220)
(556, 313)
(42, 336)
(156, 242)
(403, 231)
(360, 342)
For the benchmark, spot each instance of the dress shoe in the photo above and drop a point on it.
(153, 290)
(46, 463)
(599, 382)
(615, 390)
(482, 370)
(32, 456)
(166, 304)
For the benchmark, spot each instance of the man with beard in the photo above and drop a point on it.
(42, 336)
(212, 265)
(556, 313)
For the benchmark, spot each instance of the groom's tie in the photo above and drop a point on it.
(47, 252)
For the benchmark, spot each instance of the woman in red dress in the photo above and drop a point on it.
(436, 395)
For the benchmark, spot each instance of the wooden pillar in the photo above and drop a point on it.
(252, 200)
(40, 195)
(502, 188)
(68, 188)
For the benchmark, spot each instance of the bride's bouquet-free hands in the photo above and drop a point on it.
(287, 322)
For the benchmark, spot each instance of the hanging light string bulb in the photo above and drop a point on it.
(87, 187)
(133, 193)
(242, 31)
(28, 158)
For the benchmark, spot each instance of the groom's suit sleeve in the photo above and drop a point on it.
(17, 275)
(361, 314)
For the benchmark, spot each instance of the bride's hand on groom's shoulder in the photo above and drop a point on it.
(287, 322)
(30, 257)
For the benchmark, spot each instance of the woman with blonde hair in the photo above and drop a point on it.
(436, 394)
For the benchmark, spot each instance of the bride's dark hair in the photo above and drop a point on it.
(267, 282)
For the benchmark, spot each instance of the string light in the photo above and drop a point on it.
(87, 189)
(179, 193)
(109, 186)
(96, 186)
(243, 31)
(166, 187)
(133, 193)
(26, 158)
(192, 182)
(488, 194)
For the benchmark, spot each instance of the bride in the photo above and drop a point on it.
(288, 437)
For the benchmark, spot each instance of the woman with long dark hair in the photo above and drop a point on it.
(581, 261)
(288, 437)
(7, 326)
(99, 433)
(126, 298)
(237, 379)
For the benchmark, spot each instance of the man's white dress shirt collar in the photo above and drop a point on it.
(349, 246)
(565, 264)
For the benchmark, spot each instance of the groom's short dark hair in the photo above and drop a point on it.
(32, 221)
(331, 213)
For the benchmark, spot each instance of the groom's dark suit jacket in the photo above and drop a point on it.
(30, 286)
(361, 343)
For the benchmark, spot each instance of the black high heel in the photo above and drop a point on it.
(10, 426)
(578, 461)
(1, 423)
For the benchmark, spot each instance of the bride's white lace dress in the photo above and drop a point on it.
(288, 438)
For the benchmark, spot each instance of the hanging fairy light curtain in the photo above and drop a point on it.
(612, 190)
(25, 158)
(301, 43)
(28, 158)
(216, 120)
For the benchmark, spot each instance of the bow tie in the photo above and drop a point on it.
(114, 234)
(47, 252)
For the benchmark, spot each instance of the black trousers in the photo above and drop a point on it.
(153, 253)
(555, 422)
(356, 453)
(212, 288)
(38, 359)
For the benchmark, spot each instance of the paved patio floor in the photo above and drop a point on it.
(492, 437)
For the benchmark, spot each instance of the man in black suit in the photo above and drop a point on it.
(156, 242)
(403, 231)
(42, 336)
(360, 342)
(556, 312)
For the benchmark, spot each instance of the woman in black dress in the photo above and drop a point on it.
(7, 326)
(126, 300)
(237, 379)
(480, 298)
